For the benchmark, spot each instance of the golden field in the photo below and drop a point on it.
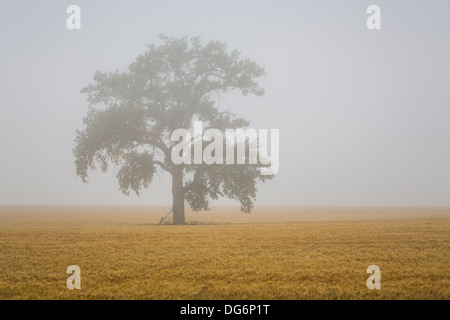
(273, 253)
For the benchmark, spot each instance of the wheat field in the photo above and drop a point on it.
(273, 253)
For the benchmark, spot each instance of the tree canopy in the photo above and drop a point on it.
(133, 113)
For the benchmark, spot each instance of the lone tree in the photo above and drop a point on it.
(132, 115)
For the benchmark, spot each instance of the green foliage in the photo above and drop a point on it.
(133, 113)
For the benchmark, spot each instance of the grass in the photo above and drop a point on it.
(122, 255)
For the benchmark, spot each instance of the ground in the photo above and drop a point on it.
(273, 253)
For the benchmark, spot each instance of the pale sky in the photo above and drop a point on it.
(364, 115)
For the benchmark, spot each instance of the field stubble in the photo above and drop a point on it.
(127, 256)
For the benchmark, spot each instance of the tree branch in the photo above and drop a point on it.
(162, 165)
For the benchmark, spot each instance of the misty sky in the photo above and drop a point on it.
(364, 116)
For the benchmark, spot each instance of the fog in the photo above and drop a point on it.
(363, 114)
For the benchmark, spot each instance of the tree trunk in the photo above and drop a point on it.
(178, 196)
